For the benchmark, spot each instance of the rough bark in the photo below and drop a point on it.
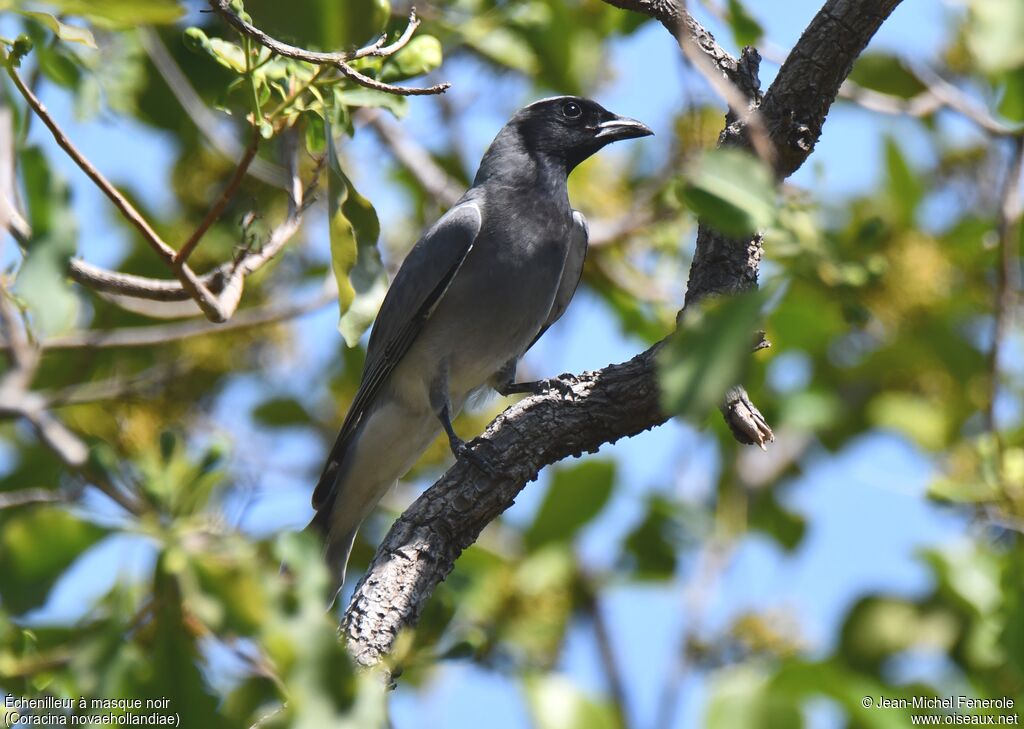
(620, 400)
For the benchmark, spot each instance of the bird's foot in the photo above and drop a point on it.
(466, 452)
(541, 387)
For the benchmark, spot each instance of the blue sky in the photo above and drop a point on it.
(865, 505)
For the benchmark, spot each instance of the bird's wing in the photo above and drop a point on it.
(572, 272)
(418, 287)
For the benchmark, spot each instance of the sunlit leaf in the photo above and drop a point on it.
(422, 55)
(64, 31)
(121, 13)
(359, 96)
(732, 191)
(556, 703)
(355, 259)
(742, 698)
(921, 419)
(994, 30)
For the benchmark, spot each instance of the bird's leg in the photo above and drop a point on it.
(459, 447)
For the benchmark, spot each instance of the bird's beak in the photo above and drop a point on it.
(621, 127)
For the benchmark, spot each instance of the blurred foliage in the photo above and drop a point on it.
(879, 309)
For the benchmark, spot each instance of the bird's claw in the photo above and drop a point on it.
(465, 452)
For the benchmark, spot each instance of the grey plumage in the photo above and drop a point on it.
(474, 293)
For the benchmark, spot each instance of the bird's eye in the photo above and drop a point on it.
(572, 110)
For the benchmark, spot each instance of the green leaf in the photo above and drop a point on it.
(745, 28)
(767, 515)
(43, 287)
(557, 703)
(576, 495)
(906, 189)
(281, 412)
(227, 54)
(732, 191)
(42, 283)
(36, 546)
(71, 33)
(708, 354)
(363, 97)
(994, 29)
(355, 260)
(652, 545)
(1011, 103)
(887, 74)
(422, 55)
(174, 673)
(231, 578)
(121, 13)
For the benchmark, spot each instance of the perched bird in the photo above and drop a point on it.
(474, 293)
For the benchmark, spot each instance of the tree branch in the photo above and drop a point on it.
(620, 400)
(337, 59)
(225, 282)
(166, 333)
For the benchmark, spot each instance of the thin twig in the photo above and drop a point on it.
(955, 99)
(338, 59)
(606, 651)
(22, 497)
(217, 209)
(114, 388)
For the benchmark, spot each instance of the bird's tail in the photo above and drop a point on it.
(384, 447)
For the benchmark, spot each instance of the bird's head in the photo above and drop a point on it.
(572, 128)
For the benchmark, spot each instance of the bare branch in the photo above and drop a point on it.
(939, 94)
(10, 499)
(166, 333)
(338, 59)
(115, 388)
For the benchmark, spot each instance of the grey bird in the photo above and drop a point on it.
(474, 293)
